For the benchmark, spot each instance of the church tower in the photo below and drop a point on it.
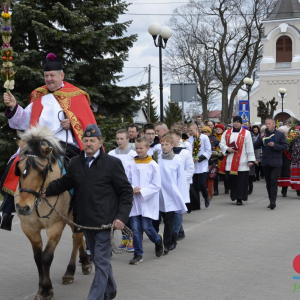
(280, 65)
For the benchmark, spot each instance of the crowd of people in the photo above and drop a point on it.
(170, 168)
(156, 173)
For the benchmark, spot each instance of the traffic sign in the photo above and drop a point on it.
(243, 105)
(244, 115)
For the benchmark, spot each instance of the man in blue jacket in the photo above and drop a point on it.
(271, 158)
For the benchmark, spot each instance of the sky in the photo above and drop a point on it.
(143, 51)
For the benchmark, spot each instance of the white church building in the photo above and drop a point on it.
(280, 65)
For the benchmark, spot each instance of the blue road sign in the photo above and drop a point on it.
(244, 115)
(243, 105)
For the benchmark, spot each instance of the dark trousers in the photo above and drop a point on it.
(199, 184)
(103, 283)
(168, 218)
(257, 169)
(271, 177)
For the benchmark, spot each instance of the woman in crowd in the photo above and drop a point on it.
(255, 132)
(219, 128)
(213, 161)
(284, 180)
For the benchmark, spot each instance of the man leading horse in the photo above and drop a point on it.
(60, 106)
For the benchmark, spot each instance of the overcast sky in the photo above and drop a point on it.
(143, 51)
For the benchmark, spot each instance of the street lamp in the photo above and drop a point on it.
(248, 82)
(163, 33)
(282, 92)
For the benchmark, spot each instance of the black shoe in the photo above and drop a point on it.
(284, 194)
(250, 189)
(181, 235)
(272, 205)
(257, 179)
(269, 206)
(110, 296)
(207, 202)
(298, 193)
(136, 259)
(239, 202)
(166, 250)
(173, 246)
(159, 247)
(216, 192)
(173, 241)
(226, 191)
(6, 221)
(262, 177)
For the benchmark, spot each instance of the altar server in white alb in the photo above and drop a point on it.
(144, 176)
(189, 168)
(123, 152)
(237, 147)
(149, 131)
(201, 163)
(173, 189)
(126, 155)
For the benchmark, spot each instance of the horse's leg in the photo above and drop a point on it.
(78, 241)
(37, 247)
(86, 264)
(54, 234)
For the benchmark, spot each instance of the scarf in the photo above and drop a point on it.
(168, 156)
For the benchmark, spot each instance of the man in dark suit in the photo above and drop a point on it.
(102, 195)
(272, 158)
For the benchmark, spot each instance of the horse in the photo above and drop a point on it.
(40, 153)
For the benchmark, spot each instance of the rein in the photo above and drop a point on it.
(125, 231)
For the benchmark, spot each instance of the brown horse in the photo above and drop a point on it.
(37, 167)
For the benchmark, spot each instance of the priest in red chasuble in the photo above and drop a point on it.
(62, 107)
(237, 147)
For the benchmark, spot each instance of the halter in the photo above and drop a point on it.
(38, 195)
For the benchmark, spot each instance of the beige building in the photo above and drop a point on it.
(280, 66)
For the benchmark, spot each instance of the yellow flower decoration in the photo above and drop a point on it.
(6, 15)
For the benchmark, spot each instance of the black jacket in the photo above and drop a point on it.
(102, 194)
(271, 156)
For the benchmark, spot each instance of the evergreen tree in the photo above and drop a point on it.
(91, 42)
(153, 109)
(172, 113)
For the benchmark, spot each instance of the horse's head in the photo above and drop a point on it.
(39, 151)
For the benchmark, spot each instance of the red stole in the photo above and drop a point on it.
(75, 104)
(237, 155)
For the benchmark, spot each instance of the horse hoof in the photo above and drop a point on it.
(87, 269)
(40, 297)
(67, 280)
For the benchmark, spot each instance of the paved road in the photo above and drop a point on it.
(230, 252)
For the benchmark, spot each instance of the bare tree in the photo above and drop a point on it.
(228, 34)
(189, 61)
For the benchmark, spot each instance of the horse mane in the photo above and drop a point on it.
(36, 137)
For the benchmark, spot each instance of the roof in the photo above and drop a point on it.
(285, 9)
(216, 114)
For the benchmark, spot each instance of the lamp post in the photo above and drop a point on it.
(282, 92)
(248, 82)
(163, 33)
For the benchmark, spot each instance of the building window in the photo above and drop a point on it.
(284, 49)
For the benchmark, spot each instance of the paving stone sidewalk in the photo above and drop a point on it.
(230, 252)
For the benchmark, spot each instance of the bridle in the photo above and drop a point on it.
(38, 195)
